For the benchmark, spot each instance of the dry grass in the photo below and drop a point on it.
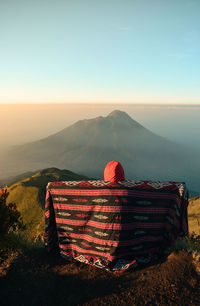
(194, 215)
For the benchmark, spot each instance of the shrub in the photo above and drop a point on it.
(10, 218)
(190, 244)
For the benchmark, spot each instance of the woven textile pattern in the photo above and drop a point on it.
(114, 225)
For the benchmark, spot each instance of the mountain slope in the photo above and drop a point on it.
(29, 196)
(194, 215)
(86, 146)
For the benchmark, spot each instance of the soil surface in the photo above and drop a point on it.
(38, 278)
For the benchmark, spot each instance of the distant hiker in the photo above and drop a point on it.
(114, 172)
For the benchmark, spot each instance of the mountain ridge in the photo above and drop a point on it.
(29, 196)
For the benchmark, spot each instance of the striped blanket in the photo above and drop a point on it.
(114, 225)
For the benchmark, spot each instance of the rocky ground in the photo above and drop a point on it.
(37, 278)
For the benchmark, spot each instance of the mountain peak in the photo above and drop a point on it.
(119, 114)
(124, 119)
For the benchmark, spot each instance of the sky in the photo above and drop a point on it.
(100, 51)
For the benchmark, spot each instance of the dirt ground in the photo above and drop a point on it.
(37, 278)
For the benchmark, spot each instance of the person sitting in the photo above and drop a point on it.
(114, 172)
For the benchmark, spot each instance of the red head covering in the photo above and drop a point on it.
(114, 172)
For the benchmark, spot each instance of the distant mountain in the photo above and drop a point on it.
(14, 179)
(86, 146)
(29, 195)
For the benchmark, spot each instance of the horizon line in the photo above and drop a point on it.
(103, 103)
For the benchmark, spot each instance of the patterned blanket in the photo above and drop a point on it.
(114, 225)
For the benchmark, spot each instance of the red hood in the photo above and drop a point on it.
(114, 172)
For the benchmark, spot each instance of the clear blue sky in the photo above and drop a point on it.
(139, 51)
